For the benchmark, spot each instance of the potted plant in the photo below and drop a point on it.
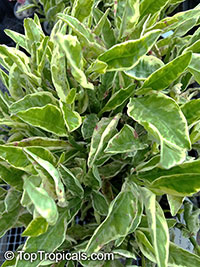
(97, 128)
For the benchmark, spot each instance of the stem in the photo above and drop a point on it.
(74, 144)
(143, 261)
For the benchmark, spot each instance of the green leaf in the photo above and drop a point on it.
(193, 48)
(11, 176)
(77, 27)
(131, 14)
(60, 191)
(108, 34)
(186, 168)
(4, 79)
(171, 184)
(177, 256)
(171, 223)
(194, 37)
(71, 96)
(42, 54)
(158, 227)
(72, 118)
(118, 222)
(148, 165)
(82, 9)
(4, 104)
(99, 27)
(44, 118)
(53, 10)
(163, 77)
(168, 181)
(126, 55)
(73, 52)
(191, 217)
(50, 143)
(33, 32)
(3, 193)
(14, 156)
(36, 227)
(125, 141)
(184, 27)
(104, 130)
(71, 182)
(18, 38)
(191, 111)
(175, 2)
(145, 246)
(92, 178)
(97, 66)
(125, 253)
(194, 67)
(170, 23)
(175, 204)
(111, 169)
(88, 126)
(195, 133)
(151, 7)
(9, 219)
(53, 238)
(118, 98)
(11, 199)
(145, 67)
(25, 218)
(15, 82)
(187, 174)
(170, 131)
(181, 257)
(58, 72)
(43, 203)
(139, 208)
(99, 203)
(39, 99)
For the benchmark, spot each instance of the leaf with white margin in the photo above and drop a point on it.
(34, 100)
(73, 51)
(126, 55)
(158, 227)
(163, 181)
(145, 67)
(45, 118)
(104, 130)
(54, 236)
(162, 118)
(125, 141)
(191, 111)
(44, 204)
(82, 9)
(72, 118)
(175, 203)
(164, 76)
(121, 216)
(60, 191)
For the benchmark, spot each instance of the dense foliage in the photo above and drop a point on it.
(96, 128)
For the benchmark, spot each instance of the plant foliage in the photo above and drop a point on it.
(97, 126)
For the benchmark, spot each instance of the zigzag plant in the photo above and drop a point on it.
(97, 125)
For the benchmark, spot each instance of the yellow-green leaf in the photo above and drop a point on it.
(45, 118)
(36, 227)
(164, 76)
(170, 131)
(126, 55)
